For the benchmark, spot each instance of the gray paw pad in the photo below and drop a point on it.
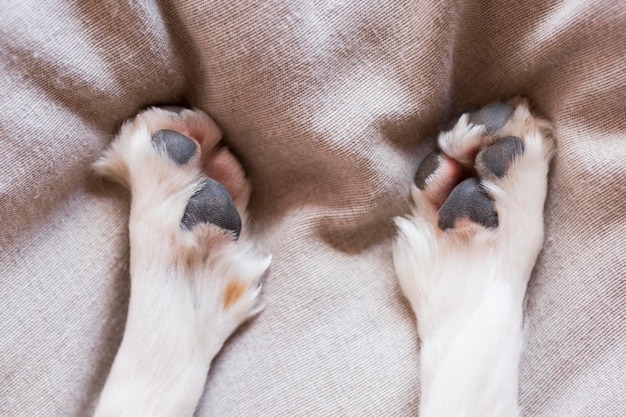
(492, 116)
(468, 201)
(427, 167)
(212, 204)
(497, 158)
(179, 148)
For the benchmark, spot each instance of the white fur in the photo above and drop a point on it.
(181, 311)
(467, 286)
(463, 140)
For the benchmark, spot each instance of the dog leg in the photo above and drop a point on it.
(195, 274)
(466, 253)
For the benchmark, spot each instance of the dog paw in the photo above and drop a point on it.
(478, 203)
(188, 216)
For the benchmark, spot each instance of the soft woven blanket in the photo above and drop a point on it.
(330, 104)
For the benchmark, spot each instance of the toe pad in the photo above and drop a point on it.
(492, 116)
(179, 148)
(212, 204)
(498, 157)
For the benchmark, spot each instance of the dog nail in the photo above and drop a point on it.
(492, 116)
(212, 204)
(497, 157)
(179, 148)
(427, 167)
(468, 201)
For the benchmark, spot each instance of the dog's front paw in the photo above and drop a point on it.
(195, 271)
(478, 213)
(464, 256)
(188, 217)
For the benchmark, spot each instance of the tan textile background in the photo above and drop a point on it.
(330, 105)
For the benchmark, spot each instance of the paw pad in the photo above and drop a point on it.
(492, 116)
(427, 167)
(179, 148)
(212, 204)
(468, 201)
(498, 157)
(483, 144)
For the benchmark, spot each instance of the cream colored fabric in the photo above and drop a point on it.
(330, 105)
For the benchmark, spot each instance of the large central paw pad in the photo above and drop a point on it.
(212, 204)
(467, 202)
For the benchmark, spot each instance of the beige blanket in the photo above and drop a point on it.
(330, 104)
